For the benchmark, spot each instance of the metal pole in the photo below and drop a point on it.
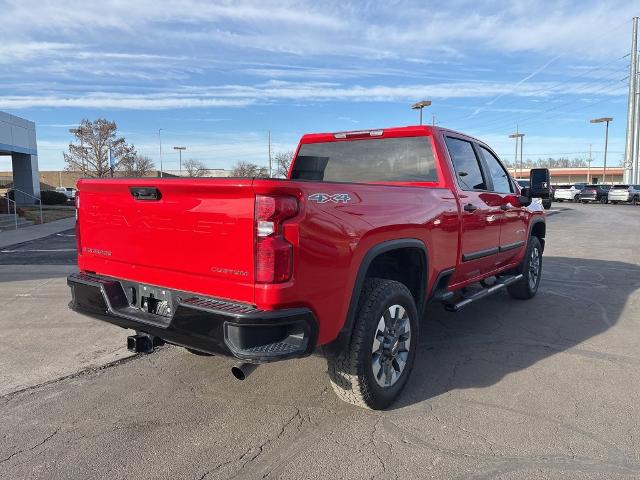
(589, 166)
(515, 158)
(606, 142)
(521, 148)
(420, 116)
(270, 170)
(630, 144)
(160, 142)
(180, 161)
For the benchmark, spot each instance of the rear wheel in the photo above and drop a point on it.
(635, 200)
(546, 204)
(531, 270)
(374, 368)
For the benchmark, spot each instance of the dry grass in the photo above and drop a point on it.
(33, 214)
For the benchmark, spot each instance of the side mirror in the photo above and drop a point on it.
(524, 200)
(539, 183)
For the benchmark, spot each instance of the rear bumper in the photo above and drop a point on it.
(590, 197)
(620, 197)
(200, 323)
(563, 196)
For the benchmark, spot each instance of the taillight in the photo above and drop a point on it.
(78, 244)
(274, 255)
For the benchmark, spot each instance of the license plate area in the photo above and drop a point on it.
(149, 299)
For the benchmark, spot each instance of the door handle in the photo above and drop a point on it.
(469, 207)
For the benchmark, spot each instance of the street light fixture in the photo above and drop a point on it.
(606, 142)
(180, 149)
(420, 106)
(517, 136)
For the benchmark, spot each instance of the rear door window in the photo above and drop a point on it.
(465, 164)
(499, 176)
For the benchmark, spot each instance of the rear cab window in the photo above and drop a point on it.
(402, 159)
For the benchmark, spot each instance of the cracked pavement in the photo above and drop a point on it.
(506, 389)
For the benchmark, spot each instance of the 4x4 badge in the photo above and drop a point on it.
(326, 197)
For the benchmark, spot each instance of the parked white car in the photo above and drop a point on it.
(570, 193)
(625, 193)
(70, 192)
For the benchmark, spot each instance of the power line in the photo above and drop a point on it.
(585, 88)
(542, 115)
(550, 89)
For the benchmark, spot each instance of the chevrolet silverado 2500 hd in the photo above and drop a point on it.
(339, 259)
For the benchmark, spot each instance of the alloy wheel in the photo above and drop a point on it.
(391, 346)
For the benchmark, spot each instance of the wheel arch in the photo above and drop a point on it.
(405, 251)
(538, 228)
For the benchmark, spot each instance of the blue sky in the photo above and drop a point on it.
(216, 76)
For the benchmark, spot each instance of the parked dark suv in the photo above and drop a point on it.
(595, 193)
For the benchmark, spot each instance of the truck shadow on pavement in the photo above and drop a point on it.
(477, 347)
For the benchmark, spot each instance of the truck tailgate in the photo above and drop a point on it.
(198, 235)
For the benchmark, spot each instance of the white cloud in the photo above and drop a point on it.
(309, 92)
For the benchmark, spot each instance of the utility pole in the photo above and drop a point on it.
(180, 149)
(631, 144)
(270, 174)
(518, 136)
(160, 142)
(606, 120)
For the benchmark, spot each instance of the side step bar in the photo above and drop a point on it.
(485, 292)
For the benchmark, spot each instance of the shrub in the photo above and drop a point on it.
(51, 197)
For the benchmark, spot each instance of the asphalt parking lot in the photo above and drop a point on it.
(548, 388)
(57, 249)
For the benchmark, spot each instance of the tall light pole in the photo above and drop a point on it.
(80, 132)
(589, 165)
(269, 141)
(160, 142)
(606, 142)
(419, 106)
(180, 149)
(518, 136)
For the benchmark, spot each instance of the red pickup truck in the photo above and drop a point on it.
(339, 259)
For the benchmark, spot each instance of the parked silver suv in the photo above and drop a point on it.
(625, 193)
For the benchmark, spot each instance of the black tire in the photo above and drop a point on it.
(604, 200)
(585, 201)
(527, 287)
(635, 200)
(576, 199)
(615, 203)
(352, 371)
(546, 204)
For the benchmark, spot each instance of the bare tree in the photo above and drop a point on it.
(246, 169)
(194, 168)
(283, 162)
(138, 166)
(89, 152)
